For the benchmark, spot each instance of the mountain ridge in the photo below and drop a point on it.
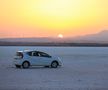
(100, 37)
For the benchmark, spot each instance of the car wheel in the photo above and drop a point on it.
(26, 65)
(54, 64)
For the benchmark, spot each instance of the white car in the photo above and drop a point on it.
(29, 58)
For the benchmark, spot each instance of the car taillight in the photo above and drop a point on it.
(18, 57)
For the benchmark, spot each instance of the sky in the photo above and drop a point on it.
(51, 18)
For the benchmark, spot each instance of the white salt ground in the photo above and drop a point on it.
(81, 71)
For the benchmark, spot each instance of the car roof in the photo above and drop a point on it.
(25, 51)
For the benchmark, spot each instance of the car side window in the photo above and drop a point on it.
(40, 54)
(44, 54)
(29, 53)
(33, 54)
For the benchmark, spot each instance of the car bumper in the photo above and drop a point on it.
(17, 62)
(60, 63)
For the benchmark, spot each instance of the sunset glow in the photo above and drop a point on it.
(47, 18)
(60, 36)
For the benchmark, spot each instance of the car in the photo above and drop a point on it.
(28, 58)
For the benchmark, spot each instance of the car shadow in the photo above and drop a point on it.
(34, 67)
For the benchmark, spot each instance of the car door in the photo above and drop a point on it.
(45, 59)
(35, 58)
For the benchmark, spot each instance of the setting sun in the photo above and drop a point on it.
(60, 36)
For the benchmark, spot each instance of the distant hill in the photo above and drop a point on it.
(101, 37)
(42, 39)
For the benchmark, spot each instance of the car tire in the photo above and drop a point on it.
(54, 64)
(26, 65)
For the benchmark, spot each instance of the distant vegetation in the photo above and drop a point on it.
(52, 44)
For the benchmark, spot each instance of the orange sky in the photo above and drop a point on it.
(48, 18)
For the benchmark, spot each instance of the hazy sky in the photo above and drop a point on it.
(48, 18)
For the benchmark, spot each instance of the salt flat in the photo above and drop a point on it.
(83, 69)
